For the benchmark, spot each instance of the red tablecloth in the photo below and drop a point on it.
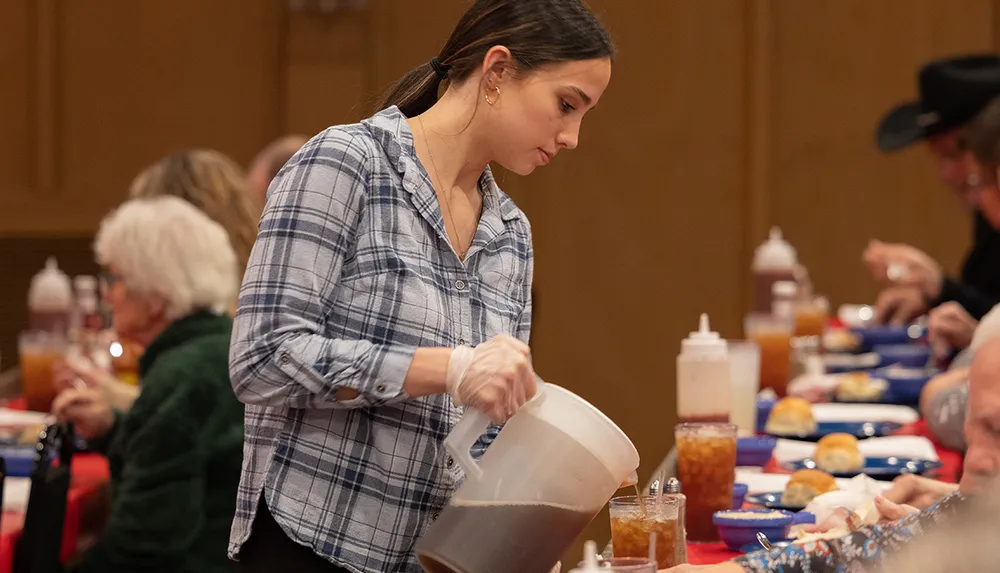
(951, 471)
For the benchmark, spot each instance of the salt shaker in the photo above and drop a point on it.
(672, 491)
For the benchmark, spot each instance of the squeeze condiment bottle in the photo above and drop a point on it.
(784, 294)
(589, 563)
(50, 300)
(704, 390)
(774, 260)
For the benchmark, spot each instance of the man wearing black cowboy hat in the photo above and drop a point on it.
(952, 92)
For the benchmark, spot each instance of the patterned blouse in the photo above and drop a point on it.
(855, 551)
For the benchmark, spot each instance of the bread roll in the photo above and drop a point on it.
(858, 387)
(838, 453)
(804, 485)
(791, 416)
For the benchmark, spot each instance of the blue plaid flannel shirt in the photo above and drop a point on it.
(351, 272)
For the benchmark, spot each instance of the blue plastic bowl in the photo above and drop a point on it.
(908, 355)
(763, 411)
(739, 492)
(19, 460)
(905, 384)
(754, 450)
(739, 531)
(839, 363)
(875, 335)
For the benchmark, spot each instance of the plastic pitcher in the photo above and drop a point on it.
(551, 469)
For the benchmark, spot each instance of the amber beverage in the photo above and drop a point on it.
(706, 466)
(811, 317)
(39, 351)
(774, 337)
(634, 518)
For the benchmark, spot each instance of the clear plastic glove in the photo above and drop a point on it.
(900, 264)
(495, 377)
(950, 327)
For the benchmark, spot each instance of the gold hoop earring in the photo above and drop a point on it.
(487, 96)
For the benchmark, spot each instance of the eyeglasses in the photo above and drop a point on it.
(108, 279)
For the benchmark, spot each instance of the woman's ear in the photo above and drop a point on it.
(497, 65)
(156, 306)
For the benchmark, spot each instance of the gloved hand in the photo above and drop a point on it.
(495, 377)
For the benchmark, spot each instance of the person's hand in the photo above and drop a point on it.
(889, 511)
(557, 568)
(950, 327)
(899, 305)
(79, 373)
(918, 492)
(86, 409)
(903, 265)
(495, 377)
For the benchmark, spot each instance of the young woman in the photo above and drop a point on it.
(390, 286)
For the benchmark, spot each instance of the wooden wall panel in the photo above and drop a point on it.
(836, 67)
(18, 119)
(131, 81)
(327, 70)
(640, 229)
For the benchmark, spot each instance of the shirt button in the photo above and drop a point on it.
(284, 358)
(380, 387)
(462, 342)
(460, 284)
(450, 462)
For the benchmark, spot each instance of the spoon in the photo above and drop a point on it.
(762, 539)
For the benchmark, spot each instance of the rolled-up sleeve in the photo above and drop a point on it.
(946, 416)
(279, 355)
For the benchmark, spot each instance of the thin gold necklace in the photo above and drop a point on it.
(458, 248)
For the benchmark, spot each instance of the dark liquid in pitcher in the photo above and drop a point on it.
(461, 542)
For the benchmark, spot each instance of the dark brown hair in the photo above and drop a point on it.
(982, 136)
(537, 33)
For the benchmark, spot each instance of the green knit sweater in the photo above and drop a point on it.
(175, 458)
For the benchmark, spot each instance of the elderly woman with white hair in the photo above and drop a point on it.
(175, 456)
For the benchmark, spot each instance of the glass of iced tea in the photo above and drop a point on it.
(811, 316)
(773, 336)
(706, 467)
(634, 518)
(39, 351)
(625, 564)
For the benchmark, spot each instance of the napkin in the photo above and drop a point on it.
(758, 482)
(22, 418)
(864, 413)
(899, 446)
(15, 494)
(831, 509)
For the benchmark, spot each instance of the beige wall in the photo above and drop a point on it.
(723, 118)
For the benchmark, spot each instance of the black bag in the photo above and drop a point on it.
(40, 546)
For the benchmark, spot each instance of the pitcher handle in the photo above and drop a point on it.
(467, 431)
(461, 439)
